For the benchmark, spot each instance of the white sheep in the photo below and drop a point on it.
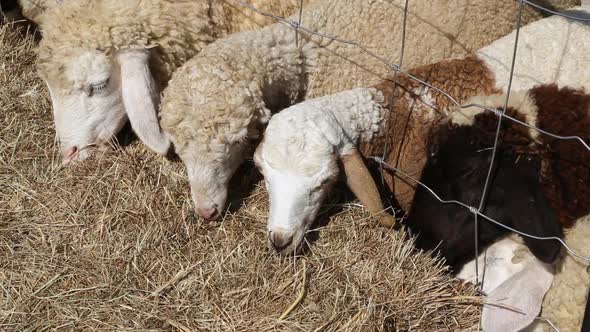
(219, 100)
(106, 61)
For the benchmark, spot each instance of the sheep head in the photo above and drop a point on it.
(301, 155)
(298, 176)
(94, 93)
(212, 121)
(103, 62)
(297, 189)
(209, 173)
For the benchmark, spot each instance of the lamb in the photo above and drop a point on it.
(218, 102)
(317, 133)
(423, 118)
(103, 70)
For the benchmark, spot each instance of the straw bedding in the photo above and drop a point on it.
(112, 244)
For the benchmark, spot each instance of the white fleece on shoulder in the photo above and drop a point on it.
(305, 135)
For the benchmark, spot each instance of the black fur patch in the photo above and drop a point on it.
(457, 167)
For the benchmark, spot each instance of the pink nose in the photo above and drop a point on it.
(208, 213)
(69, 154)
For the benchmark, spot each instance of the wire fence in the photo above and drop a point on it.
(397, 68)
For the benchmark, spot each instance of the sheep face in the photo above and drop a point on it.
(209, 175)
(297, 183)
(94, 93)
(87, 103)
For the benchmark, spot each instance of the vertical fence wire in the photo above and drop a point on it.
(501, 113)
(496, 139)
(391, 112)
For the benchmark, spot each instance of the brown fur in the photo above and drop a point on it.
(566, 172)
(513, 137)
(412, 117)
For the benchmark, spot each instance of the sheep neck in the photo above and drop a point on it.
(414, 109)
(275, 61)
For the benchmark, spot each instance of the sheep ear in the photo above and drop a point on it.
(516, 303)
(362, 185)
(141, 98)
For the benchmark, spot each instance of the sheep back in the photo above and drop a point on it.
(434, 33)
(175, 29)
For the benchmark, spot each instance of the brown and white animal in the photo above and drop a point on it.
(418, 107)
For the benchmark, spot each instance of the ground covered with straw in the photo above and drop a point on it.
(113, 244)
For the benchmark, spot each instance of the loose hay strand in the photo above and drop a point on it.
(300, 296)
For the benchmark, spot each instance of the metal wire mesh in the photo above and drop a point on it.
(500, 113)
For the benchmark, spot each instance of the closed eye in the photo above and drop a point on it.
(97, 87)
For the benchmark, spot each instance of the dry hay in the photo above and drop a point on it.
(112, 244)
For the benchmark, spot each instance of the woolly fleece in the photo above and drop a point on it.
(175, 29)
(260, 67)
(323, 125)
(565, 302)
(33, 9)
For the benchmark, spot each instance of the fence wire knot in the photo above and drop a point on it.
(497, 111)
(293, 24)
